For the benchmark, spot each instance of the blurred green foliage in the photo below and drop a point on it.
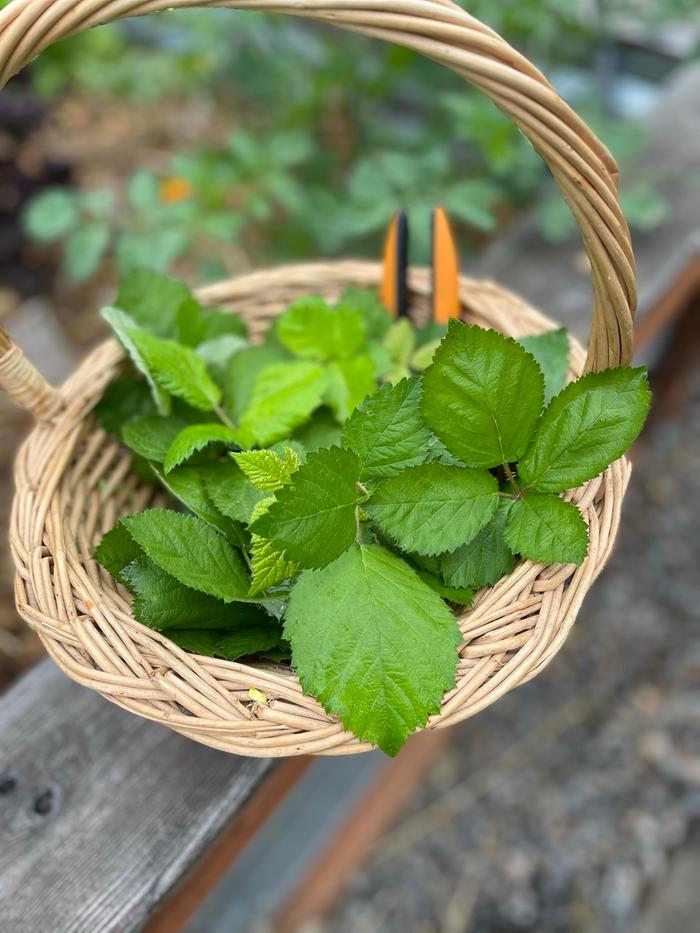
(337, 132)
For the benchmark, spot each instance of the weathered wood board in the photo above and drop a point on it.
(101, 813)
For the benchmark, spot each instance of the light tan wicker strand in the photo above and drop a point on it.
(73, 481)
(24, 384)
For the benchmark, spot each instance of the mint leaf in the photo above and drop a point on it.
(151, 436)
(312, 330)
(484, 560)
(243, 369)
(373, 643)
(551, 350)
(230, 490)
(122, 400)
(434, 507)
(254, 639)
(191, 551)
(546, 529)
(482, 396)
(283, 397)
(177, 369)
(266, 469)
(152, 300)
(164, 604)
(589, 424)
(123, 326)
(193, 438)
(117, 550)
(387, 432)
(349, 382)
(313, 520)
(366, 301)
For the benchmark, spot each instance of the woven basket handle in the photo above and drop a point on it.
(440, 30)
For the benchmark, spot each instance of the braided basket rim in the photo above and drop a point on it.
(73, 482)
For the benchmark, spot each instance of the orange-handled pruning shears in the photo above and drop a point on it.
(445, 266)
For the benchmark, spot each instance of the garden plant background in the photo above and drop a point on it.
(208, 143)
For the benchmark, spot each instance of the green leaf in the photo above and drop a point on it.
(381, 359)
(152, 300)
(377, 318)
(177, 369)
(484, 560)
(123, 325)
(321, 430)
(195, 324)
(162, 603)
(283, 397)
(50, 215)
(193, 438)
(117, 550)
(84, 250)
(482, 396)
(424, 355)
(242, 372)
(373, 643)
(187, 485)
(313, 520)
(349, 382)
(551, 351)
(269, 567)
(150, 436)
(546, 529)
(438, 453)
(158, 247)
(266, 469)
(434, 507)
(387, 431)
(312, 330)
(400, 341)
(589, 424)
(189, 323)
(218, 351)
(462, 595)
(191, 551)
(143, 191)
(254, 639)
(231, 491)
(122, 400)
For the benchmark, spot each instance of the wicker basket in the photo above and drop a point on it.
(73, 481)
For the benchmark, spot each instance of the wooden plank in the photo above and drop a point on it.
(288, 844)
(102, 813)
(381, 804)
(205, 876)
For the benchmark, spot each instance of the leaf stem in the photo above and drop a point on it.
(358, 532)
(223, 417)
(511, 477)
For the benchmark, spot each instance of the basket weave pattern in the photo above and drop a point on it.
(74, 482)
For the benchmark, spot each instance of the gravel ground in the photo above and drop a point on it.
(562, 807)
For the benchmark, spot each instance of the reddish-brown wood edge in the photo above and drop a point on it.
(210, 869)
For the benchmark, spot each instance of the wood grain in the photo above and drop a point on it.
(102, 813)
